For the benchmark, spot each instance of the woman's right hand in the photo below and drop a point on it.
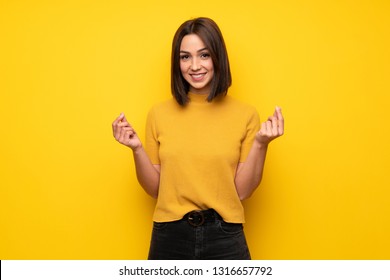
(125, 134)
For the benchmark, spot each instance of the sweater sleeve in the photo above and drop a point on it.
(252, 127)
(151, 138)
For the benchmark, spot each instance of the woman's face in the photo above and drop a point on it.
(196, 64)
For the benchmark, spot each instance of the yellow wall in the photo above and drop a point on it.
(68, 68)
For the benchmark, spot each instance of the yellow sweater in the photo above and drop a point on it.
(198, 147)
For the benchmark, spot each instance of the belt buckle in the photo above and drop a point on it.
(195, 218)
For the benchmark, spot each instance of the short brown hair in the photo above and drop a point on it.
(211, 36)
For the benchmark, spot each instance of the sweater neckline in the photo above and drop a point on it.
(198, 97)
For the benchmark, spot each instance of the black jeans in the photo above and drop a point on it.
(202, 236)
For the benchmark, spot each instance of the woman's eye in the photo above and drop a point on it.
(205, 55)
(184, 57)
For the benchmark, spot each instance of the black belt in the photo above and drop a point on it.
(199, 217)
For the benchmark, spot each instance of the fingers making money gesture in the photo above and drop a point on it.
(272, 128)
(124, 133)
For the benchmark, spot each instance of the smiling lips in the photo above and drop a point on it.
(197, 77)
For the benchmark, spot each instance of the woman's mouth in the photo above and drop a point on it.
(198, 76)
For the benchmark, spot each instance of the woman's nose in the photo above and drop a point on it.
(195, 65)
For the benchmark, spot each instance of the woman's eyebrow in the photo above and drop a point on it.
(201, 50)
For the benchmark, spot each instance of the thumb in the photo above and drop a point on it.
(123, 117)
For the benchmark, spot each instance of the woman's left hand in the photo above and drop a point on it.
(272, 128)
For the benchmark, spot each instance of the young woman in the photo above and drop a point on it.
(204, 152)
